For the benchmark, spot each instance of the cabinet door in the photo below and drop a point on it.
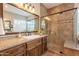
(34, 48)
(31, 52)
(15, 51)
(40, 50)
(35, 51)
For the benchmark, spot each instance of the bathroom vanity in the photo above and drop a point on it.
(34, 45)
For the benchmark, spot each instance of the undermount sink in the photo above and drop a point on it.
(31, 37)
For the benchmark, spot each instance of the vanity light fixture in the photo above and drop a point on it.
(26, 6)
(30, 7)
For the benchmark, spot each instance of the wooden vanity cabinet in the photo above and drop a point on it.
(15, 51)
(35, 47)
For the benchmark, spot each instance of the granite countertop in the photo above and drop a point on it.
(8, 43)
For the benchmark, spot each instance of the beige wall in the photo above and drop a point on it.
(40, 9)
(61, 7)
(43, 10)
(37, 8)
(76, 5)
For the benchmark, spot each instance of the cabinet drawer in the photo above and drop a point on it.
(15, 50)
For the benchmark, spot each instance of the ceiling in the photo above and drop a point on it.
(50, 5)
(12, 9)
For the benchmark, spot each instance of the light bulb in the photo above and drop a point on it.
(30, 8)
(26, 6)
(33, 9)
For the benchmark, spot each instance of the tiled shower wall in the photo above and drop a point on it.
(61, 28)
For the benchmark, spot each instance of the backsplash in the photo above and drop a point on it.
(16, 35)
(8, 36)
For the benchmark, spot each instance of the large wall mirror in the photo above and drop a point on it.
(17, 20)
(1, 27)
(77, 28)
(43, 25)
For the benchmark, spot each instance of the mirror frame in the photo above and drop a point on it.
(10, 33)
